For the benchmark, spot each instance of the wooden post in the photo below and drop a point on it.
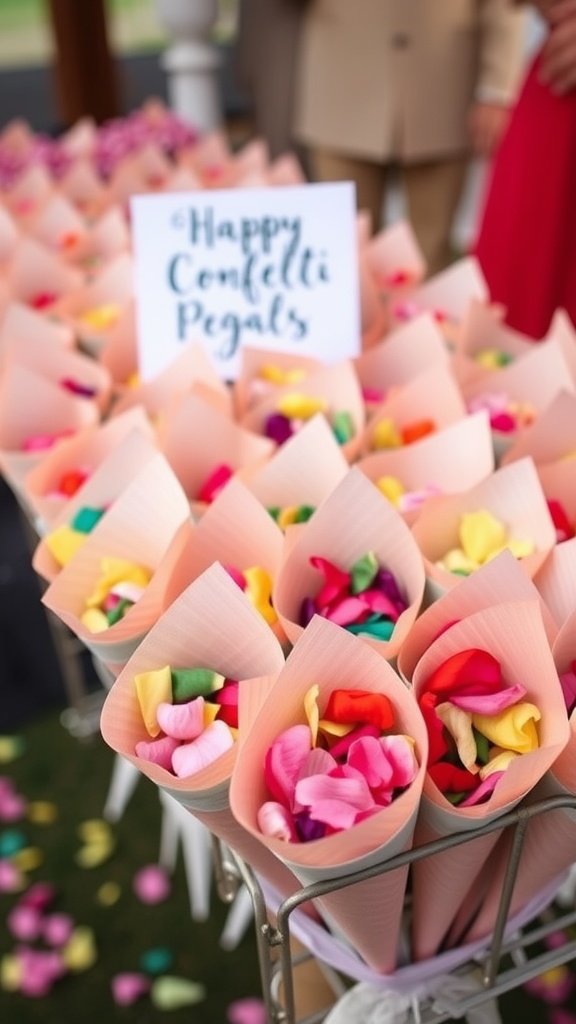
(86, 78)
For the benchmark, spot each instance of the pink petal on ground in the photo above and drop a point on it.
(246, 1011)
(128, 987)
(151, 884)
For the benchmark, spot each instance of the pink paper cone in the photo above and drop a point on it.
(558, 484)
(483, 328)
(83, 187)
(236, 531)
(402, 356)
(9, 235)
(535, 379)
(395, 258)
(562, 332)
(556, 581)
(551, 437)
(337, 385)
(35, 273)
(191, 372)
(30, 405)
(303, 471)
(112, 288)
(431, 395)
(58, 364)
(60, 227)
(514, 634)
(448, 461)
(32, 189)
(513, 495)
(447, 296)
(368, 914)
(85, 451)
(110, 235)
(102, 488)
(140, 527)
(354, 519)
(22, 324)
(500, 581)
(119, 352)
(250, 388)
(286, 170)
(188, 634)
(79, 142)
(225, 444)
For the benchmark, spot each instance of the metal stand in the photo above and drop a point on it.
(273, 940)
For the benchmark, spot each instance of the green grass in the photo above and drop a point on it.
(75, 775)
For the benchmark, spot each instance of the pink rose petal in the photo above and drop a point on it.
(129, 987)
(316, 788)
(401, 756)
(489, 703)
(275, 821)
(181, 721)
(190, 758)
(157, 751)
(284, 761)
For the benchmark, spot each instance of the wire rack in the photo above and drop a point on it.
(276, 962)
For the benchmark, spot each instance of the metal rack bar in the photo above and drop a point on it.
(273, 939)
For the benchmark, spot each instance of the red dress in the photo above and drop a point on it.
(527, 239)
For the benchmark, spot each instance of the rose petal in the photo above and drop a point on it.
(491, 703)
(181, 721)
(190, 758)
(284, 761)
(276, 822)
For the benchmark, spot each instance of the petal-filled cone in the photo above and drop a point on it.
(556, 582)
(101, 489)
(189, 634)
(367, 913)
(450, 460)
(548, 849)
(551, 437)
(86, 450)
(395, 258)
(514, 634)
(257, 365)
(432, 395)
(353, 520)
(513, 495)
(139, 527)
(448, 294)
(405, 353)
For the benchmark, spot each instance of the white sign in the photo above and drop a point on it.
(265, 267)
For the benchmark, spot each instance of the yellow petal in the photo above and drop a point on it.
(63, 543)
(480, 534)
(386, 435)
(301, 407)
(391, 488)
(459, 725)
(311, 709)
(512, 729)
(153, 688)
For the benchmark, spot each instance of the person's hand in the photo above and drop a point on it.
(558, 66)
(486, 125)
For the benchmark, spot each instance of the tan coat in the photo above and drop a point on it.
(394, 79)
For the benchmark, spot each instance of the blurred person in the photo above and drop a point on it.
(267, 45)
(526, 243)
(413, 84)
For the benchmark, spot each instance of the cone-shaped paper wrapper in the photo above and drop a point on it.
(395, 258)
(189, 634)
(405, 354)
(450, 460)
(236, 531)
(483, 328)
(374, 315)
(548, 849)
(514, 634)
(353, 520)
(450, 292)
(537, 377)
(36, 271)
(59, 365)
(31, 406)
(559, 484)
(303, 471)
(224, 444)
(367, 913)
(33, 188)
(513, 495)
(119, 352)
(80, 140)
(432, 395)
(112, 287)
(501, 580)
(110, 235)
(9, 235)
(337, 385)
(191, 372)
(286, 170)
(83, 187)
(556, 581)
(551, 437)
(60, 227)
(140, 527)
(250, 387)
(563, 332)
(101, 489)
(85, 451)
(20, 323)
